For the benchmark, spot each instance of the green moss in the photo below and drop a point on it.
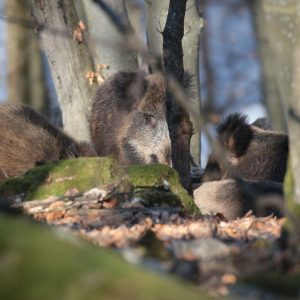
(144, 176)
(157, 196)
(85, 173)
(57, 178)
(150, 175)
(290, 203)
(37, 263)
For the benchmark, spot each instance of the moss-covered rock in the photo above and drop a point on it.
(56, 178)
(37, 263)
(158, 176)
(85, 173)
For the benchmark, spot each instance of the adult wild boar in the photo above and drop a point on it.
(27, 139)
(128, 119)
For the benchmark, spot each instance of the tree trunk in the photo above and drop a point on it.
(193, 25)
(137, 14)
(157, 15)
(25, 71)
(273, 97)
(294, 128)
(282, 25)
(107, 44)
(179, 122)
(69, 61)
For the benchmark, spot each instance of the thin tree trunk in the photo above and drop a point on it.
(137, 14)
(69, 61)
(157, 15)
(193, 25)
(25, 71)
(179, 122)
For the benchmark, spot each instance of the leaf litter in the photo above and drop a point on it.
(207, 250)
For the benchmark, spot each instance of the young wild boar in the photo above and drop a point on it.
(27, 139)
(128, 119)
(251, 151)
(256, 157)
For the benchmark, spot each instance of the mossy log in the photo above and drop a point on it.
(39, 263)
(85, 173)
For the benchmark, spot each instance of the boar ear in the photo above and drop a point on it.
(235, 134)
(136, 87)
(154, 99)
(128, 86)
(262, 123)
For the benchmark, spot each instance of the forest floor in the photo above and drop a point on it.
(209, 251)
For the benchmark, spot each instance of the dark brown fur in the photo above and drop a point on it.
(27, 139)
(234, 199)
(128, 119)
(252, 152)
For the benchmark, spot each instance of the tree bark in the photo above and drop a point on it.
(193, 25)
(106, 43)
(69, 62)
(272, 96)
(25, 71)
(157, 15)
(180, 126)
(137, 14)
(283, 31)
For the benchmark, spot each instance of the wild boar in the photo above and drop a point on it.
(128, 119)
(27, 139)
(252, 152)
(234, 198)
(256, 158)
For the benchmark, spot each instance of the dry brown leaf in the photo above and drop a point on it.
(228, 279)
(78, 32)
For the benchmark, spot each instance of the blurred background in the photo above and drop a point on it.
(232, 78)
(230, 69)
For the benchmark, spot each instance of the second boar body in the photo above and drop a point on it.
(128, 119)
(250, 151)
(249, 174)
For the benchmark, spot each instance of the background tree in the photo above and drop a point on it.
(79, 55)
(273, 97)
(281, 27)
(69, 59)
(25, 82)
(157, 15)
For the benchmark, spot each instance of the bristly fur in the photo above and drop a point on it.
(232, 122)
(235, 134)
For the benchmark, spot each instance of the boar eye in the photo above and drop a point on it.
(149, 119)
